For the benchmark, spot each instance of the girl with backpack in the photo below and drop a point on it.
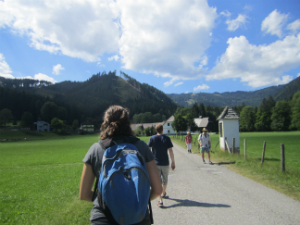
(115, 128)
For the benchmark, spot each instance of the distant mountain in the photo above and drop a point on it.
(253, 98)
(287, 92)
(96, 94)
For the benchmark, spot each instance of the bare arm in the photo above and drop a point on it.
(172, 158)
(86, 184)
(156, 188)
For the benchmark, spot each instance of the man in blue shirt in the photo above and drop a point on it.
(160, 145)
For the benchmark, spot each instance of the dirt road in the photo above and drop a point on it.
(212, 194)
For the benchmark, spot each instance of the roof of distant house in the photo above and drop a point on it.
(171, 119)
(144, 125)
(201, 122)
(228, 113)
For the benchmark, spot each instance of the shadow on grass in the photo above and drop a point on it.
(270, 159)
(191, 203)
(224, 163)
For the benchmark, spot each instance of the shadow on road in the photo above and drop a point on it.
(224, 163)
(190, 203)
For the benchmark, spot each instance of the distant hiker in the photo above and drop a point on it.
(116, 129)
(188, 142)
(205, 143)
(160, 145)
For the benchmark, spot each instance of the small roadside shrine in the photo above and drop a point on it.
(229, 134)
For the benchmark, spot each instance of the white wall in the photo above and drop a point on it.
(168, 128)
(230, 131)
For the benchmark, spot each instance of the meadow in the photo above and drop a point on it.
(40, 179)
(269, 173)
(40, 175)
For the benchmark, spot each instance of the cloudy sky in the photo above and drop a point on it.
(177, 46)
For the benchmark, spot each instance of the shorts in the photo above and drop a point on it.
(189, 146)
(163, 172)
(204, 149)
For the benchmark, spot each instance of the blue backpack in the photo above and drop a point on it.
(124, 184)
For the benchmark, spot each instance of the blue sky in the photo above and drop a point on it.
(177, 46)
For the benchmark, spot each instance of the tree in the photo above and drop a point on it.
(62, 113)
(295, 108)
(138, 131)
(149, 131)
(191, 123)
(5, 116)
(57, 124)
(27, 119)
(247, 119)
(281, 118)
(264, 113)
(75, 125)
(179, 123)
(48, 111)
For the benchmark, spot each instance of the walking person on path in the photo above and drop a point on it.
(205, 144)
(115, 128)
(160, 145)
(188, 142)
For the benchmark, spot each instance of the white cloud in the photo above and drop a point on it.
(56, 69)
(236, 23)
(41, 76)
(201, 87)
(273, 23)
(258, 65)
(170, 82)
(298, 75)
(226, 13)
(294, 26)
(179, 83)
(154, 40)
(80, 29)
(115, 57)
(146, 35)
(5, 70)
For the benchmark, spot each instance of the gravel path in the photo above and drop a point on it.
(212, 194)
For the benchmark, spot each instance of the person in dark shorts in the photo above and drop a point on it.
(160, 145)
(116, 125)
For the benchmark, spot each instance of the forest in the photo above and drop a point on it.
(74, 103)
(270, 115)
(68, 104)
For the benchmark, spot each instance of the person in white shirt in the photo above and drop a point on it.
(205, 144)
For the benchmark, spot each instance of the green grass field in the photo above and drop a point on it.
(269, 173)
(39, 180)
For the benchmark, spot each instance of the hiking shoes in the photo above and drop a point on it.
(160, 204)
(164, 195)
(203, 161)
(210, 162)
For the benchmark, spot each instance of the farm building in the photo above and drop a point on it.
(168, 129)
(42, 126)
(87, 127)
(229, 130)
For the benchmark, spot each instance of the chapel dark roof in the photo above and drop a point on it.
(228, 113)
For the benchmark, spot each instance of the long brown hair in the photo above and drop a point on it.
(115, 122)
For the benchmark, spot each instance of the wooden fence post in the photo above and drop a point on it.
(245, 149)
(263, 155)
(282, 158)
(233, 145)
(225, 140)
(227, 146)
